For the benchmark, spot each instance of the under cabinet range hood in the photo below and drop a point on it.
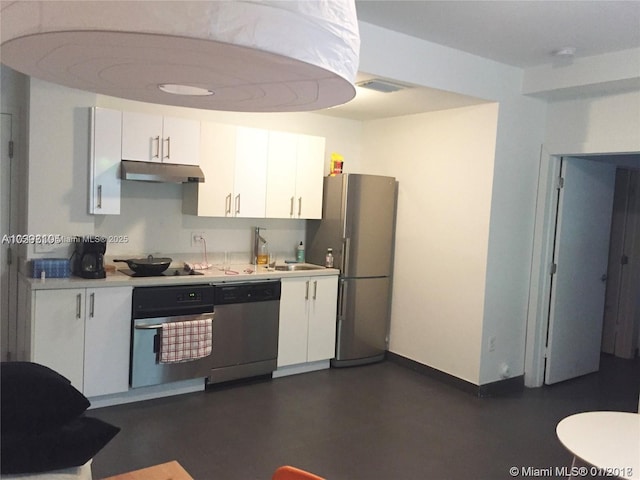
(160, 172)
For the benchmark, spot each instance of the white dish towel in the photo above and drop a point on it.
(185, 341)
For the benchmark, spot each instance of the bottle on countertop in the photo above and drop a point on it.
(300, 253)
(263, 254)
(328, 259)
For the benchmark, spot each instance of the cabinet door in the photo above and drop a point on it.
(292, 339)
(58, 332)
(104, 178)
(213, 197)
(181, 141)
(281, 175)
(141, 137)
(323, 294)
(250, 181)
(107, 340)
(309, 177)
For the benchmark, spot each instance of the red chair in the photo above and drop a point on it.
(287, 472)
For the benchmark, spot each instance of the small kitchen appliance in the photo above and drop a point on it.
(88, 257)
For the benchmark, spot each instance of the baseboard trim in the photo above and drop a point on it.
(502, 387)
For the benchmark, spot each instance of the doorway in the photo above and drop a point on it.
(621, 330)
(541, 302)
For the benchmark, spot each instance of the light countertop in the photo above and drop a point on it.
(246, 272)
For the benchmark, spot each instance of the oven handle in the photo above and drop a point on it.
(159, 325)
(148, 327)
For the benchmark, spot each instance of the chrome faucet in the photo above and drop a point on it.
(257, 241)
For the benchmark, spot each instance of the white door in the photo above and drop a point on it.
(581, 253)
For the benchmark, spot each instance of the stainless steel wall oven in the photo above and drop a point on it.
(158, 305)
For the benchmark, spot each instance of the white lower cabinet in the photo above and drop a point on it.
(57, 332)
(84, 335)
(307, 319)
(107, 339)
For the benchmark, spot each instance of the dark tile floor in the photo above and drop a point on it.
(380, 421)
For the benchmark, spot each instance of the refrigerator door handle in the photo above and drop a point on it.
(345, 255)
(341, 296)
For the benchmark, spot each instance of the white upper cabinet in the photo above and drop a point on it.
(256, 173)
(104, 164)
(250, 181)
(295, 176)
(214, 197)
(281, 175)
(234, 162)
(153, 138)
(181, 141)
(309, 176)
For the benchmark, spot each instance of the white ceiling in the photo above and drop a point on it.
(519, 33)
(522, 33)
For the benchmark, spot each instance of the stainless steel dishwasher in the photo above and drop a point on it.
(245, 330)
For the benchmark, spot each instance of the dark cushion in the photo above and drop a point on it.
(35, 398)
(71, 445)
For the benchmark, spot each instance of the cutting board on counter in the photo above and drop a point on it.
(165, 471)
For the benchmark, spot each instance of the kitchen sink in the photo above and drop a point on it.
(294, 267)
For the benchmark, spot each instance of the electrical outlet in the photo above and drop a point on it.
(196, 238)
(492, 343)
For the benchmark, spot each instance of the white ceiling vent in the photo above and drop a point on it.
(383, 86)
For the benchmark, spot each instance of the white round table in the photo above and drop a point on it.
(608, 441)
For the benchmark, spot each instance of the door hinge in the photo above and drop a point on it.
(560, 183)
(624, 260)
(554, 268)
(9, 256)
(10, 149)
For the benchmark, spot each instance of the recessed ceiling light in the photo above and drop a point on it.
(176, 89)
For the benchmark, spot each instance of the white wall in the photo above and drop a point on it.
(519, 136)
(444, 164)
(594, 124)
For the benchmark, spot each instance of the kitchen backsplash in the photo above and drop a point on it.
(152, 222)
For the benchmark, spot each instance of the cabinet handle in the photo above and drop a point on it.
(315, 289)
(299, 207)
(291, 209)
(78, 305)
(168, 155)
(92, 304)
(99, 196)
(157, 154)
(306, 293)
(237, 204)
(227, 205)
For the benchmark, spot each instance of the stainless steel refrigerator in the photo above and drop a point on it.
(358, 223)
